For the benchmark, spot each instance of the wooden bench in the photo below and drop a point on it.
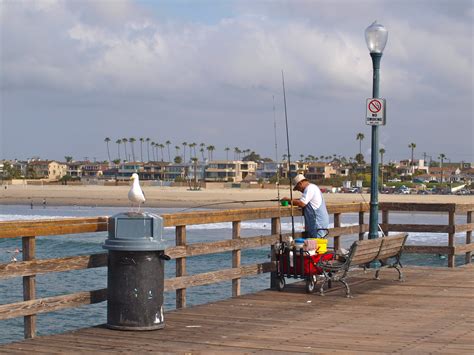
(387, 250)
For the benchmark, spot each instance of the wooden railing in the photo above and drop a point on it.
(29, 267)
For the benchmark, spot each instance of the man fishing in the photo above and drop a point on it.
(316, 217)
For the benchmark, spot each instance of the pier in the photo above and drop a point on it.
(430, 312)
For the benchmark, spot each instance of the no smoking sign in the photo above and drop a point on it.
(375, 112)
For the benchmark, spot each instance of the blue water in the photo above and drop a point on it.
(82, 244)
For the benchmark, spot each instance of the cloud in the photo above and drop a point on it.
(117, 54)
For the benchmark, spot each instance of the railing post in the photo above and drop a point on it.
(385, 221)
(236, 254)
(181, 266)
(361, 225)
(468, 238)
(29, 285)
(337, 223)
(276, 229)
(451, 241)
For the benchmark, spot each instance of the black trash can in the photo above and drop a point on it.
(135, 280)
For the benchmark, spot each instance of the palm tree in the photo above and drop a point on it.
(360, 137)
(107, 140)
(202, 153)
(141, 148)
(124, 141)
(177, 148)
(237, 152)
(412, 146)
(168, 145)
(192, 147)
(132, 140)
(184, 151)
(148, 148)
(227, 152)
(157, 145)
(382, 152)
(118, 141)
(161, 146)
(68, 158)
(153, 150)
(210, 149)
(441, 158)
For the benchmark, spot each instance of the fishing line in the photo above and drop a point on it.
(368, 204)
(227, 203)
(289, 158)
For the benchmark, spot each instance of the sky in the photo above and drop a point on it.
(75, 72)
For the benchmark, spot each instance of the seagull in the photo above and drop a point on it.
(136, 195)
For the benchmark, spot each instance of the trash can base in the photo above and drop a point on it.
(123, 327)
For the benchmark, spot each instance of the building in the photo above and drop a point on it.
(267, 170)
(319, 171)
(47, 169)
(172, 172)
(229, 170)
(296, 167)
(405, 167)
(445, 174)
(86, 169)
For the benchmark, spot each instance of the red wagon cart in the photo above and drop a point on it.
(298, 263)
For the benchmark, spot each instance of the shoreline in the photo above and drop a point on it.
(181, 197)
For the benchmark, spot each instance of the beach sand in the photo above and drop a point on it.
(181, 197)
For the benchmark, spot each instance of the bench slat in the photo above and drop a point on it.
(367, 250)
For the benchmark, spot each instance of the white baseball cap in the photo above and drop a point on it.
(297, 179)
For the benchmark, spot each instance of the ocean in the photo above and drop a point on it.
(81, 280)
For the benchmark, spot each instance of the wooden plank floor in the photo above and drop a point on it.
(432, 312)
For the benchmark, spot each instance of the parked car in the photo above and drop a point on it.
(419, 181)
(394, 180)
(403, 190)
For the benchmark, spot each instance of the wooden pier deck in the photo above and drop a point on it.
(432, 312)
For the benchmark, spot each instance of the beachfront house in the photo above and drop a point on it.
(320, 170)
(173, 172)
(86, 169)
(229, 170)
(152, 170)
(47, 169)
(296, 167)
(267, 170)
(407, 167)
(445, 174)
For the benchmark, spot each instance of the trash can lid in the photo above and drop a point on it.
(133, 231)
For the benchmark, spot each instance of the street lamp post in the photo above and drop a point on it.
(376, 37)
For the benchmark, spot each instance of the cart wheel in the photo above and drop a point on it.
(280, 283)
(310, 284)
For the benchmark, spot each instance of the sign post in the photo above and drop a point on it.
(375, 115)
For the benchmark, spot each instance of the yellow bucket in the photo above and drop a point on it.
(322, 245)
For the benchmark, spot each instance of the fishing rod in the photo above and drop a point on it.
(228, 203)
(276, 149)
(289, 158)
(278, 169)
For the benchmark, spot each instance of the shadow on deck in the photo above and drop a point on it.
(431, 312)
